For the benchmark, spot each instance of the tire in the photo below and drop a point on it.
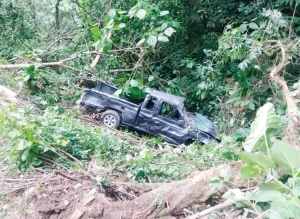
(111, 119)
(188, 142)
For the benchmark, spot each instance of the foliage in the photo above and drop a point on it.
(31, 139)
(54, 138)
(133, 89)
(280, 158)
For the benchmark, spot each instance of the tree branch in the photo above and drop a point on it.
(96, 60)
(210, 210)
(46, 64)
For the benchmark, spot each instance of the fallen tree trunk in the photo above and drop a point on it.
(171, 198)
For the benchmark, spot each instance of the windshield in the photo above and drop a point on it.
(200, 122)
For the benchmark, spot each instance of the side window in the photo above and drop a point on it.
(151, 103)
(169, 111)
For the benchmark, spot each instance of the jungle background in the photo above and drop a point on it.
(236, 62)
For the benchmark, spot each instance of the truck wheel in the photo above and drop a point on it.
(188, 142)
(111, 119)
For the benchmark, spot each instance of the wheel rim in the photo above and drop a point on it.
(109, 121)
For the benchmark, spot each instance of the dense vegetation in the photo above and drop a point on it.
(236, 62)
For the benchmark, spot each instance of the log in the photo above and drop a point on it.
(171, 198)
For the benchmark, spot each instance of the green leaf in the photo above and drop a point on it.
(215, 184)
(176, 24)
(249, 172)
(118, 92)
(110, 24)
(163, 38)
(64, 143)
(257, 159)
(243, 28)
(152, 40)
(95, 31)
(226, 173)
(141, 42)
(148, 90)
(122, 25)
(107, 45)
(36, 162)
(189, 65)
(285, 208)
(235, 196)
(169, 31)
(151, 78)
(253, 26)
(132, 11)
(112, 13)
(26, 78)
(21, 145)
(30, 69)
(141, 13)
(251, 106)
(163, 13)
(25, 155)
(121, 12)
(271, 186)
(286, 157)
(266, 196)
(266, 120)
(14, 133)
(121, 80)
(164, 26)
(135, 92)
(134, 83)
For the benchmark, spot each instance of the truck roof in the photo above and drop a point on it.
(168, 97)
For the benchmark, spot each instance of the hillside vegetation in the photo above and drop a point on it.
(236, 62)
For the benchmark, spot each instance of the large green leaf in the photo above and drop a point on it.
(286, 208)
(266, 196)
(265, 121)
(271, 186)
(249, 172)
(286, 157)
(257, 159)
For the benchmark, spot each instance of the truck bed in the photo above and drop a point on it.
(102, 99)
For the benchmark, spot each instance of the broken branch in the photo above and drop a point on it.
(46, 64)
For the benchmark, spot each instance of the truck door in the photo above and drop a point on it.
(168, 123)
(145, 117)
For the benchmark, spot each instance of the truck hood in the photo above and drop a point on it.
(201, 123)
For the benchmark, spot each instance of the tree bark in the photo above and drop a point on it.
(171, 198)
(291, 134)
(57, 14)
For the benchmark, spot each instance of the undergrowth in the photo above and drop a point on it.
(54, 138)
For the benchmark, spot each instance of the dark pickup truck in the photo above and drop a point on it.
(160, 114)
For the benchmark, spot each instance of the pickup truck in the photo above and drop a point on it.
(159, 114)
